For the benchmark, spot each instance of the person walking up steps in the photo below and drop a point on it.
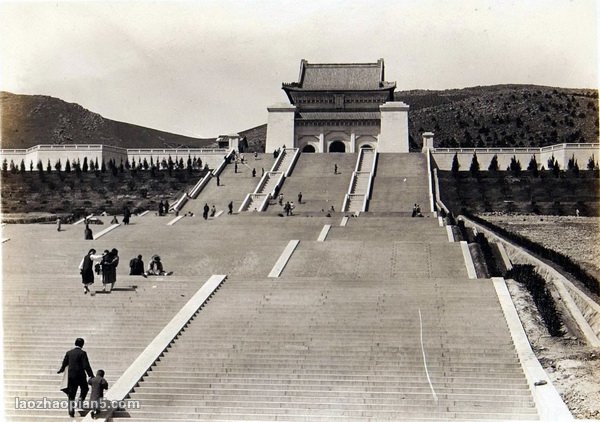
(77, 362)
(86, 269)
(99, 384)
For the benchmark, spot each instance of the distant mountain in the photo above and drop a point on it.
(29, 120)
(483, 116)
(502, 116)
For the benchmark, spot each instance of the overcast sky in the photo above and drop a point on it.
(203, 68)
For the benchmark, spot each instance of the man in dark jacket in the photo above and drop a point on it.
(136, 266)
(77, 361)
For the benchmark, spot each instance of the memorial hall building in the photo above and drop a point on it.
(339, 108)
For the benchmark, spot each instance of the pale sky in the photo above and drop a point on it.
(203, 68)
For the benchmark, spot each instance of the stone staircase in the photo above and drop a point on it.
(321, 188)
(378, 322)
(399, 183)
(358, 193)
(265, 190)
(350, 331)
(233, 186)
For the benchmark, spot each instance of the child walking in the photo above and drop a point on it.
(98, 384)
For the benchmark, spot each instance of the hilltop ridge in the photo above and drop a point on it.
(482, 116)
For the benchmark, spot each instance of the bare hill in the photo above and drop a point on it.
(29, 120)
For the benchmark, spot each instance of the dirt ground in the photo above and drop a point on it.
(573, 367)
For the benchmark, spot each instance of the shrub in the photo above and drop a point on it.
(488, 255)
(536, 285)
(556, 257)
(493, 164)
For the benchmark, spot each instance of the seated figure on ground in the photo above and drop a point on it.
(156, 267)
(136, 266)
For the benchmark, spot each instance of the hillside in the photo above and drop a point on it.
(487, 116)
(503, 116)
(29, 120)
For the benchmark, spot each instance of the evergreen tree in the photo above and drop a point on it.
(556, 169)
(133, 165)
(189, 163)
(515, 165)
(48, 166)
(77, 167)
(68, 166)
(181, 163)
(5, 166)
(551, 162)
(591, 165)
(146, 163)
(151, 162)
(474, 168)
(103, 167)
(121, 167)
(96, 166)
(12, 167)
(576, 168)
(40, 166)
(58, 165)
(30, 165)
(84, 166)
(571, 163)
(455, 165)
(533, 167)
(22, 166)
(127, 165)
(494, 164)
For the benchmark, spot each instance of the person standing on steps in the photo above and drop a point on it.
(253, 172)
(230, 206)
(87, 232)
(86, 269)
(235, 168)
(77, 362)
(205, 211)
(213, 211)
(335, 171)
(110, 262)
(218, 180)
(300, 197)
(58, 224)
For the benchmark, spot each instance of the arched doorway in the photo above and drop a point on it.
(337, 146)
(366, 146)
(309, 148)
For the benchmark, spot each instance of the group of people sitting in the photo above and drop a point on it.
(136, 267)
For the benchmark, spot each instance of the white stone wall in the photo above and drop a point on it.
(562, 153)
(394, 127)
(213, 157)
(280, 127)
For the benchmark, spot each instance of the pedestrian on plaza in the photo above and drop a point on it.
(230, 206)
(335, 170)
(213, 211)
(281, 199)
(166, 206)
(253, 172)
(86, 269)
(110, 262)
(235, 168)
(286, 208)
(126, 215)
(292, 206)
(414, 211)
(58, 224)
(300, 197)
(87, 232)
(205, 211)
(218, 180)
(78, 366)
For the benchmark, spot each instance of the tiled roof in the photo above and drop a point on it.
(367, 115)
(342, 76)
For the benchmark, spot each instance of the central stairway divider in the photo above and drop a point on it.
(359, 191)
(157, 347)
